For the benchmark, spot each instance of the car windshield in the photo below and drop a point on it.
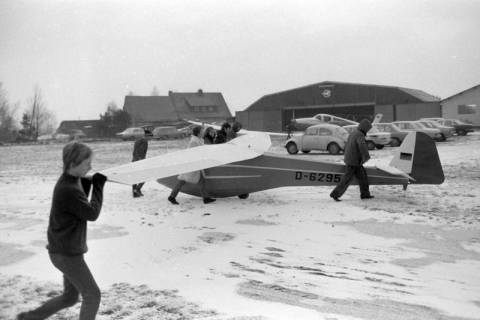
(427, 124)
(418, 125)
(455, 121)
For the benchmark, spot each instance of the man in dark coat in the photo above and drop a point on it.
(139, 153)
(224, 134)
(356, 154)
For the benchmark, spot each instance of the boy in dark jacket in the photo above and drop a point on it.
(67, 234)
(356, 154)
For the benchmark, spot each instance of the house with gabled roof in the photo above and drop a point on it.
(176, 107)
(464, 106)
(354, 101)
(91, 128)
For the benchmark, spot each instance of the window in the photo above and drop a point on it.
(204, 108)
(384, 128)
(466, 109)
(324, 132)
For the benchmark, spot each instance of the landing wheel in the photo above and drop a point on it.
(244, 196)
(292, 148)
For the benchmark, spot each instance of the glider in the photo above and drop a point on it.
(243, 165)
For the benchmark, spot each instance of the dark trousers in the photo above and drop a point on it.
(137, 187)
(352, 171)
(77, 278)
(180, 184)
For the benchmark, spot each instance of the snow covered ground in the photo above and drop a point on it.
(288, 253)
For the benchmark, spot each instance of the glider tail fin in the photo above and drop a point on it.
(418, 157)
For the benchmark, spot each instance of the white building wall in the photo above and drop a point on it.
(452, 106)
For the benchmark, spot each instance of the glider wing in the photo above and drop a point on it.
(242, 148)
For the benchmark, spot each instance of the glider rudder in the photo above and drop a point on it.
(418, 157)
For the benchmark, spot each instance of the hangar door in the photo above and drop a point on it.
(355, 113)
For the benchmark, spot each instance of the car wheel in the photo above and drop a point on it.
(443, 138)
(305, 151)
(395, 142)
(292, 148)
(243, 196)
(333, 148)
(462, 132)
(379, 146)
(370, 145)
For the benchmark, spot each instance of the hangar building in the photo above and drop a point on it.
(464, 106)
(354, 101)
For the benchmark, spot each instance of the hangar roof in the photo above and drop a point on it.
(462, 92)
(341, 93)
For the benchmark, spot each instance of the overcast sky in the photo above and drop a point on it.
(84, 54)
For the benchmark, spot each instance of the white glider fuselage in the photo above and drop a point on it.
(270, 171)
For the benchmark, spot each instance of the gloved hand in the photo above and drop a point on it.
(99, 179)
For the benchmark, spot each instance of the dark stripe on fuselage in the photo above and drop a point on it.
(272, 171)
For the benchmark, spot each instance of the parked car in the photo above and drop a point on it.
(374, 137)
(435, 134)
(397, 135)
(461, 128)
(62, 137)
(446, 132)
(187, 131)
(77, 134)
(324, 137)
(134, 132)
(302, 124)
(168, 133)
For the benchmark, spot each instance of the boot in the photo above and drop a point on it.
(172, 200)
(334, 197)
(367, 197)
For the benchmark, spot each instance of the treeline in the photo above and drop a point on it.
(37, 120)
(112, 121)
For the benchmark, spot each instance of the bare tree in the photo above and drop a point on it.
(8, 127)
(41, 119)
